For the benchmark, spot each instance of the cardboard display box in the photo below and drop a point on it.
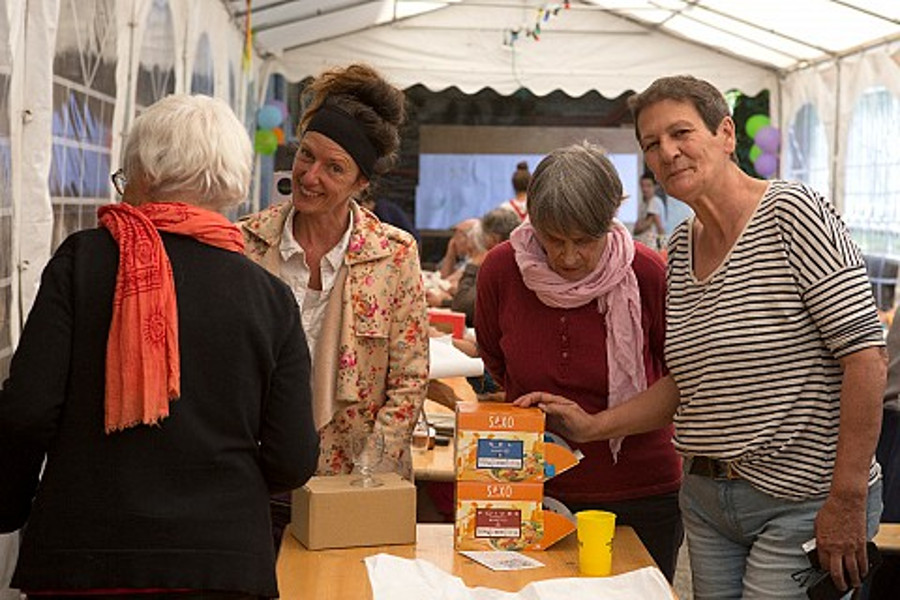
(328, 512)
(502, 460)
(505, 516)
(496, 441)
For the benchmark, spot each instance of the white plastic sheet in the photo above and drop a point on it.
(395, 578)
(447, 361)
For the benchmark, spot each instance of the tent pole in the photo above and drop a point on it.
(835, 175)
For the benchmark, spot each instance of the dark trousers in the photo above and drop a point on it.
(656, 520)
(886, 580)
(888, 454)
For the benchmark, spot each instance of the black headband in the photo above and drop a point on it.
(340, 127)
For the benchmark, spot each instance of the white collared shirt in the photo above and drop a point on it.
(295, 272)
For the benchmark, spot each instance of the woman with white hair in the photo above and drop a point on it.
(162, 380)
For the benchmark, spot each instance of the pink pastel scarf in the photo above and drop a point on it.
(614, 286)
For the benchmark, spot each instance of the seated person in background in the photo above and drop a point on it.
(518, 204)
(649, 229)
(142, 452)
(440, 285)
(493, 228)
(572, 306)
(496, 226)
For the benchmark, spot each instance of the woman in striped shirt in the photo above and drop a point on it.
(776, 359)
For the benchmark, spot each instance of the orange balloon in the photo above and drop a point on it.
(279, 133)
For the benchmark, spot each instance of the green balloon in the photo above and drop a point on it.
(754, 153)
(755, 123)
(265, 141)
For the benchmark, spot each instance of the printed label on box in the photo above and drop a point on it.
(509, 456)
(505, 516)
(498, 523)
(500, 454)
(499, 516)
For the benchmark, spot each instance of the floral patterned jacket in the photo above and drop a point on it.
(383, 346)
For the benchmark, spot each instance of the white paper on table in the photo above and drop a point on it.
(395, 578)
(445, 360)
(502, 560)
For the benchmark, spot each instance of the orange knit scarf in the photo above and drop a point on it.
(143, 371)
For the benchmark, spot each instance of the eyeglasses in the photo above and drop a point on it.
(119, 181)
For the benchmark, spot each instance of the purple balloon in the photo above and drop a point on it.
(768, 139)
(766, 164)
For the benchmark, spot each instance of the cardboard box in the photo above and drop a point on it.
(496, 441)
(448, 321)
(328, 512)
(502, 460)
(505, 516)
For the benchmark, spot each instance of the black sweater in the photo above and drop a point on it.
(181, 505)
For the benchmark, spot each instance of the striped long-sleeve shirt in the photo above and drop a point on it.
(755, 347)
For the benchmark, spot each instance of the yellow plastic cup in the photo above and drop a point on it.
(596, 530)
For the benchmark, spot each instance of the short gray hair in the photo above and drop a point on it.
(574, 189)
(500, 222)
(708, 101)
(191, 144)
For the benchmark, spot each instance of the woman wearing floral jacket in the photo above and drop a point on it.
(356, 280)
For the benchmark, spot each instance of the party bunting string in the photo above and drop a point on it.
(544, 12)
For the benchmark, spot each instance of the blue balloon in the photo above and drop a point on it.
(268, 117)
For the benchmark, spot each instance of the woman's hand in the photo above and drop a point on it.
(565, 416)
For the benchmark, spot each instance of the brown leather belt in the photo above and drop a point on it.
(712, 468)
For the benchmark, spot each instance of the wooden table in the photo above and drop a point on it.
(435, 464)
(341, 574)
(888, 538)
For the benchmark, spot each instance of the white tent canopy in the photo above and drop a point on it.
(823, 53)
(468, 45)
(607, 46)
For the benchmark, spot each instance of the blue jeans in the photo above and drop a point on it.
(744, 543)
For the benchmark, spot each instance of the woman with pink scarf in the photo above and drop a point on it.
(570, 306)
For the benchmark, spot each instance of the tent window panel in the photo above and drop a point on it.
(69, 217)
(86, 44)
(203, 76)
(84, 94)
(808, 150)
(872, 173)
(156, 72)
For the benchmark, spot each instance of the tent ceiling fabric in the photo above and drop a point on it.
(606, 45)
